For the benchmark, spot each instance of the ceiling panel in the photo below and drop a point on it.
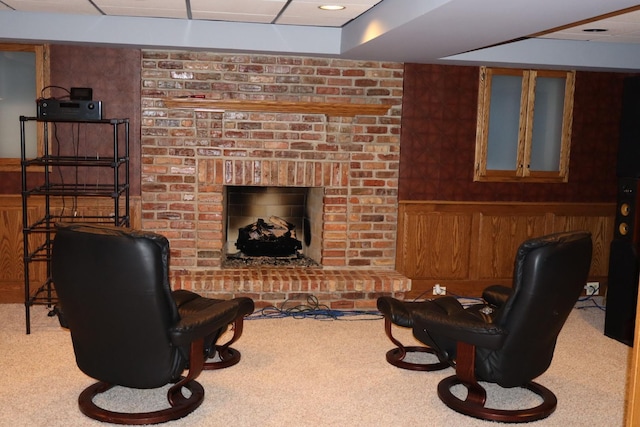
(56, 6)
(294, 12)
(146, 8)
(307, 12)
(624, 28)
(263, 11)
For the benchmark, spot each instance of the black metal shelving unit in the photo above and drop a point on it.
(38, 233)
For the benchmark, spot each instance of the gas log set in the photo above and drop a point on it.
(271, 242)
(274, 238)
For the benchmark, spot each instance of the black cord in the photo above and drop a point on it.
(58, 154)
(593, 303)
(314, 310)
(56, 87)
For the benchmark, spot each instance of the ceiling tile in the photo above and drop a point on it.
(307, 12)
(624, 28)
(146, 8)
(263, 11)
(56, 6)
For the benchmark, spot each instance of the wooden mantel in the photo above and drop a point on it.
(330, 109)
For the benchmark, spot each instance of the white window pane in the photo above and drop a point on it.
(17, 98)
(547, 124)
(504, 119)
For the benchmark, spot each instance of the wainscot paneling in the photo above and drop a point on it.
(11, 254)
(467, 246)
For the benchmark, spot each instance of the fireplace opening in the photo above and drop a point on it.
(273, 226)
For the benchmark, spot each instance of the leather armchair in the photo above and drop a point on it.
(127, 326)
(510, 339)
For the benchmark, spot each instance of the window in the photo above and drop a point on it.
(23, 76)
(524, 125)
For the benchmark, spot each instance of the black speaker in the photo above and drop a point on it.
(622, 288)
(627, 226)
(622, 291)
(629, 144)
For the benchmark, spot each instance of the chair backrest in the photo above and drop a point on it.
(113, 288)
(549, 274)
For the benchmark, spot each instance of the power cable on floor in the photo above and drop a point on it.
(591, 301)
(314, 310)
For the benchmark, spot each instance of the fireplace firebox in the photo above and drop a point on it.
(264, 223)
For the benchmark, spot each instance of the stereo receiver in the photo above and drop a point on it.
(74, 110)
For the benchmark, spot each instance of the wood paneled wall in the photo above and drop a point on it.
(11, 254)
(467, 246)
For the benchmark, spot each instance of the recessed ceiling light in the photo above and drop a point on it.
(331, 7)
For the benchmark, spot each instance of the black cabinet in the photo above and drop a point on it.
(55, 184)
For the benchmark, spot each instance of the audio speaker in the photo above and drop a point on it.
(622, 291)
(627, 225)
(622, 288)
(629, 144)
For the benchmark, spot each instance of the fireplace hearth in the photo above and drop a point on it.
(240, 260)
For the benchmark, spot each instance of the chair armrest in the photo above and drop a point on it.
(497, 295)
(201, 323)
(463, 325)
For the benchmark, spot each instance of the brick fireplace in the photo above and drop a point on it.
(191, 156)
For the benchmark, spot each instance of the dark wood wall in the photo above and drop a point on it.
(438, 140)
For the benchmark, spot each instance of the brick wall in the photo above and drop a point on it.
(188, 157)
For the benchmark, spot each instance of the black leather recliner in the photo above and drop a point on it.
(510, 339)
(127, 326)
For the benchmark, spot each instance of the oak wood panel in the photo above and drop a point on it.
(467, 246)
(11, 271)
(632, 416)
(11, 253)
(11, 242)
(601, 228)
(437, 252)
(498, 239)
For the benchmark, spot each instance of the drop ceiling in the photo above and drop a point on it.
(289, 12)
(589, 34)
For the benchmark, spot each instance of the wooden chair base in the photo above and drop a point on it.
(180, 405)
(473, 405)
(228, 357)
(397, 355)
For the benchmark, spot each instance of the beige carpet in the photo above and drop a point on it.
(306, 372)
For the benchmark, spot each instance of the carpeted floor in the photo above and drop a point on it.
(306, 372)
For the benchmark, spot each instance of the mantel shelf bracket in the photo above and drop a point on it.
(330, 109)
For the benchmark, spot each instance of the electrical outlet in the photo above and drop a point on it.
(439, 290)
(592, 288)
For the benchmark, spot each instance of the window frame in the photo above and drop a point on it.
(521, 171)
(9, 164)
